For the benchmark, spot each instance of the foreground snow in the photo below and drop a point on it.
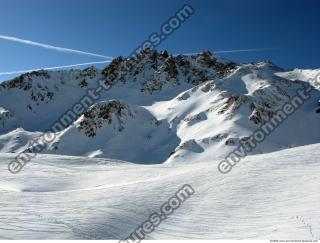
(265, 196)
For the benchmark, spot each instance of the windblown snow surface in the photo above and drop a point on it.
(268, 196)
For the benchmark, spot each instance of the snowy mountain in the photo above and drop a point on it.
(158, 108)
(125, 138)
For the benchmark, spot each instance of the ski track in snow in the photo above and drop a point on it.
(268, 196)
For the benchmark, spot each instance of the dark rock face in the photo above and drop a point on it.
(230, 141)
(104, 112)
(112, 71)
(233, 103)
(24, 81)
(38, 92)
(90, 72)
(163, 69)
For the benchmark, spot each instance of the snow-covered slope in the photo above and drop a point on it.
(308, 75)
(35, 100)
(116, 130)
(269, 196)
(160, 108)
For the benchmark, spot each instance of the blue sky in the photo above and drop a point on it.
(114, 28)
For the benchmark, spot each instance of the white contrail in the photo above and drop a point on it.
(233, 51)
(51, 47)
(53, 68)
(244, 50)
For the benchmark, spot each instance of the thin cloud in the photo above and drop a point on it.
(52, 68)
(51, 47)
